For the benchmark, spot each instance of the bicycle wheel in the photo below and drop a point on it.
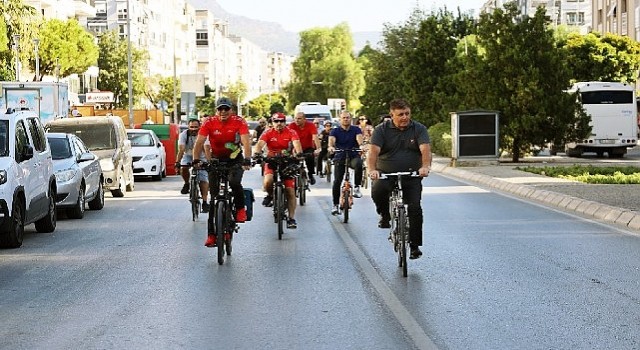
(365, 177)
(327, 170)
(346, 206)
(220, 226)
(279, 205)
(195, 201)
(302, 190)
(402, 236)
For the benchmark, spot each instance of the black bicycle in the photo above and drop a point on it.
(302, 180)
(221, 219)
(194, 193)
(399, 235)
(283, 167)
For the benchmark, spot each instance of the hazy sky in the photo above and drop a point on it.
(362, 15)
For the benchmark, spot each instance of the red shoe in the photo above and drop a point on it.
(241, 215)
(211, 241)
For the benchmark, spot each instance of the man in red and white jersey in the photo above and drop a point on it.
(308, 134)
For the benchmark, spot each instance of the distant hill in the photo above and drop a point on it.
(271, 36)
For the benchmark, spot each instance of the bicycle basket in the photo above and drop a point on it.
(290, 170)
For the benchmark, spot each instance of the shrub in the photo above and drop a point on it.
(440, 135)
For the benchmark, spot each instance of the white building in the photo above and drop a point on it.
(621, 17)
(573, 13)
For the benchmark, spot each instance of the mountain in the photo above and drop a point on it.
(271, 36)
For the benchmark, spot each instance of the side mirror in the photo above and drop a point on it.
(85, 157)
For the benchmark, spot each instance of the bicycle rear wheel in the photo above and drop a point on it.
(402, 235)
(220, 225)
(279, 205)
(195, 201)
(302, 190)
(327, 170)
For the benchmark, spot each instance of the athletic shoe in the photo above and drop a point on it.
(384, 222)
(267, 201)
(211, 241)
(241, 215)
(335, 210)
(205, 207)
(415, 252)
(291, 223)
(185, 189)
(356, 192)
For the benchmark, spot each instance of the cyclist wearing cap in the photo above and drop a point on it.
(308, 134)
(280, 140)
(186, 142)
(230, 142)
(324, 145)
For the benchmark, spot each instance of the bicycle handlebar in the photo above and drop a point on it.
(400, 173)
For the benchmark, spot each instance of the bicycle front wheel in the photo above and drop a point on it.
(346, 206)
(195, 201)
(327, 170)
(279, 207)
(220, 225)
(302, 190)
(402, 236)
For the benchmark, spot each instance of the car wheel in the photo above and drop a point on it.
(77, 212)
(118, 192)
(48, 223)
(98, 202)
(12, 238)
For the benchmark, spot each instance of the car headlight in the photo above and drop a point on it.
(150, 157)
(3, 177)
(65, 175)
(107, 164)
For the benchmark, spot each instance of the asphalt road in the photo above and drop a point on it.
(497, 273)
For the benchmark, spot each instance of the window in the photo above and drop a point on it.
(37, 134)
(22, 141)
(4, 141)
(606, 97)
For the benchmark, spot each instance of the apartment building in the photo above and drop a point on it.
(573, 13)
(617, 16)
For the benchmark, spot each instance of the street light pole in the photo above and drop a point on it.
(16, 47)
(36, 43)
(129, 68)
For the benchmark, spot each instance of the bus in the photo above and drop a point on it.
(613, 111)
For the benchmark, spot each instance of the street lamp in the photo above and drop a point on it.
(129, 68)
(16, 47)
(36, 43)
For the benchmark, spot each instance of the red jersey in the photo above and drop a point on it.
(220, 133)
(278, 141)
(305, 133)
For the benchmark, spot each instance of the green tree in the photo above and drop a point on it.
(523, 75)
(206, 104)
(112, 61)
(16, 17)
(594, 57)
(263, 105)
(65, 43)
(326, 67)
(158, 88)
(237, 92)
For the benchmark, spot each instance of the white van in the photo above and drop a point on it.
(313, 110)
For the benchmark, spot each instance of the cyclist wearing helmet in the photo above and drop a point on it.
(230, 142)
(280, 140)
(186, 142)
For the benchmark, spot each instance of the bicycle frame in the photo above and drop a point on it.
(221, 219)
(302, 182)
(346, 190)
(399, 235)
(276, 163)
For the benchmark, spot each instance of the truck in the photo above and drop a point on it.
(50, 100)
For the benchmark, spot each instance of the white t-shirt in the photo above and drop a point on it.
(188, 149)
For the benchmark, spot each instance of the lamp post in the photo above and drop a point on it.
(36, 43)
(16, 47)
(129, 78)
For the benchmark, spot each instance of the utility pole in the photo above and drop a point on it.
(129, 68)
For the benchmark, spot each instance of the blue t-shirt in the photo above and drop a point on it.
(346, 139)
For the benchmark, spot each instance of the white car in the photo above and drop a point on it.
(27, 183)
(149, 155)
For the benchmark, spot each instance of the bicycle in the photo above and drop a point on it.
(346, 191)
(328, 165)
(221, 219)
(194, 193)
(399, 235)
(302, 182)
(282, 166)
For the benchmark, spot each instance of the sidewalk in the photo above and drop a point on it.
(615, 204)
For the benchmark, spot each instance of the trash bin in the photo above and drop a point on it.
(168, 135)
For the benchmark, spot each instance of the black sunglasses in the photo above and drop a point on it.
(224, 108)
(278, 121)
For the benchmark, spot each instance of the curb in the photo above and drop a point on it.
(618, 216)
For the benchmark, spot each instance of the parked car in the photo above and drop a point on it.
(78, 175)
(149, 155)
(105, 137)
(27, 182)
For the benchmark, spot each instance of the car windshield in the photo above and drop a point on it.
(60, 148)
(95, 137)
(4, 140)
(140, 139)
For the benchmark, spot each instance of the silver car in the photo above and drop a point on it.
(78, 175)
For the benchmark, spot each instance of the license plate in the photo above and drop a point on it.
(608, 142)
